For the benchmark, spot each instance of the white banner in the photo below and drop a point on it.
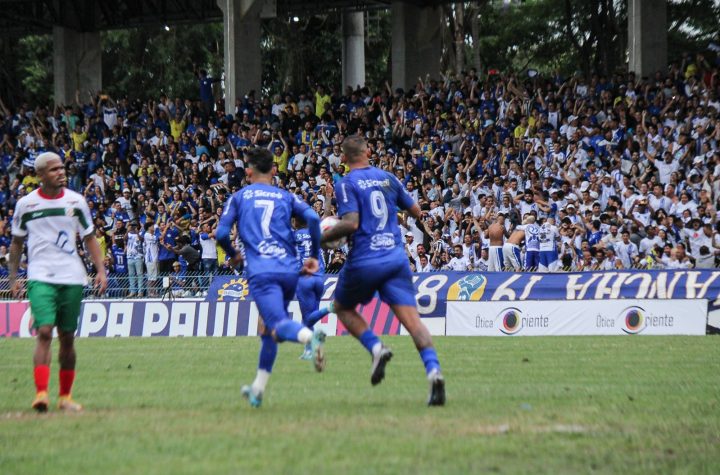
(562, 317)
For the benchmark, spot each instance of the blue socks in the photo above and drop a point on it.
(369, 340)
(315, 317)
(430, 359)
(268, 352)
(288, 330)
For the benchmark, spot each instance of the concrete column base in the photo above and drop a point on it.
(242, 55)
(77, 63)
(353, 49)
(647, 36)
(416, 43)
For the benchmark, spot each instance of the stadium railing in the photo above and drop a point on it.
(196, 284)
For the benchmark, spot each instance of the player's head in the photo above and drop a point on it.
(298, 222)
(529, 219)
(355, 149)
(50, 170)
(260, 162)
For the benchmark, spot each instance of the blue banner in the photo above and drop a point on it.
(434, 289)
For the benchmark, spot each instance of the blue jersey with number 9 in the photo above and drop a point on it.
(262, 213)
(375, 195)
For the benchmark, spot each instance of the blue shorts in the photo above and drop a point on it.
(532, 260)
(309, 292)
(272, 292)
(547, 258)
(393, 280)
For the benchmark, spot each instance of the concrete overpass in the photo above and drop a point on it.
(415, 49)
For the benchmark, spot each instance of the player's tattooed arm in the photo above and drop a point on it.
(93, 248)
(347, 225)
(415, 212)
(16, 248)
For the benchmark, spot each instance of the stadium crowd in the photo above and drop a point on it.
(626, 170)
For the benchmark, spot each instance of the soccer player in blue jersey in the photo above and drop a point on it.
(367, 202)
(310, 286)
(262, 213)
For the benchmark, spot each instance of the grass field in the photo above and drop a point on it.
(517, 405)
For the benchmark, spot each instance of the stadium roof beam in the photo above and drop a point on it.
(415, 31)
(21, 17)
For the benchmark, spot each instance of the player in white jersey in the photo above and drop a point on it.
(532, 242)
(549, 235)
(51, 217)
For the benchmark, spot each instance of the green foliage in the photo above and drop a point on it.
(531, 405)
(377, 50)
(691, 26)
(553, 35)
(292, 51)
(35, 67)
(147, 62)
(548, 35)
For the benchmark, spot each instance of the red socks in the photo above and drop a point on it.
(42, 377)
(67, 376)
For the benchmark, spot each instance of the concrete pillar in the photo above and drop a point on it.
(416, 43)
(647, 36)
(77, 64)
(243, 60)
(353, 49)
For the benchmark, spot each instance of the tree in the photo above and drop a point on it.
(147, 62)
(589, 36)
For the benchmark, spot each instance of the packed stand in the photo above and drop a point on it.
(510, 172)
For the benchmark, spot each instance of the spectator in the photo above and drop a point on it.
(168, 240)
(151, 248)
(634, 156)
(177, 281)
(134, 253)
(209, 253)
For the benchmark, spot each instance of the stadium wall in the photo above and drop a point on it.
(450, 303)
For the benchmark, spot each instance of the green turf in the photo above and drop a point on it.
(516, 405)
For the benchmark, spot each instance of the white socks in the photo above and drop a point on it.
(261, 379)
(305, 335)
(433, 375)
(376, 348)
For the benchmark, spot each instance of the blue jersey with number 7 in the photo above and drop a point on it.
(262, 213)
(375, 195)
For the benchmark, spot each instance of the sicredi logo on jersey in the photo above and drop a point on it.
(261, 194)
(363, 184)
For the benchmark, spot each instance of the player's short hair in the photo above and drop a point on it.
(299, 222)
(260, 159)
(354, 147)
(42, 160)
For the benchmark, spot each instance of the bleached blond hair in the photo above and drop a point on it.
(42, 160)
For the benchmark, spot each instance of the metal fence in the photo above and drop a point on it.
(196, 284)
(122, 286)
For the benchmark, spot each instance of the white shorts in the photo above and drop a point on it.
(496, 259)
(511, 256)
(152, 270)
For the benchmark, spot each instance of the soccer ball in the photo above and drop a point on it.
(329, 223)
